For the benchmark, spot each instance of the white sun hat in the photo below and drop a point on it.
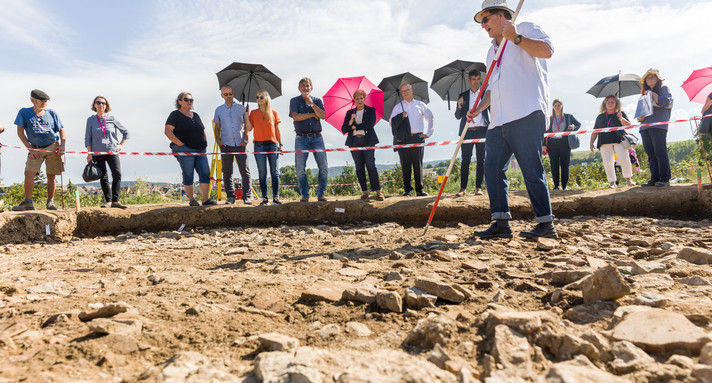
(493, 4)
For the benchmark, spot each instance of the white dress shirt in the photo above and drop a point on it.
(418, 116)
(519, 86)
(480, 119)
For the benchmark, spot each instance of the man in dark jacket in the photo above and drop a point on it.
(476, 128)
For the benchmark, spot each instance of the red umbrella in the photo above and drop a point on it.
(699, 85)
(339, 99)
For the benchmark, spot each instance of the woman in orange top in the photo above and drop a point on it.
(265, 122)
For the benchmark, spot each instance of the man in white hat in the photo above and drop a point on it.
(518, 97)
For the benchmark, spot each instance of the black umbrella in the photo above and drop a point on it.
(246, 79)
(620, 85)
(452, 79)
(391, 91)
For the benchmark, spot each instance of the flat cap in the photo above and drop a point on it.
(39, 95)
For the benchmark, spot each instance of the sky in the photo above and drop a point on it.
(141, 54)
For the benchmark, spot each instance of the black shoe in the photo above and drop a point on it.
(662, 184)
(649, 183)
(276, 201)
(230, 201)
(421, 194)
(544, 229)
(496, 230)
(556, 188)
(407, 194)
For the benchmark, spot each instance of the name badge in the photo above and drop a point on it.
(105, 141)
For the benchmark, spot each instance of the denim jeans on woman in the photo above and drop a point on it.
(655, 145)
(524, 138)
(300, 163)
(261, 160)
(188, 164)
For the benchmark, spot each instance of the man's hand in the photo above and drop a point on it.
(459, 103)
(60, 149)
(243, 144)
(220, 144)
(421, 135)
(510, 30)
(89, 157)
(405, 114)
(35, 153)
(472, 115)
(641, 118)
(592, 148)
(309, 101)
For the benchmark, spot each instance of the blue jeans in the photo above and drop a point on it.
(300, 163)
(190, 163)
(524, 138)
(273, 160)
(655, 144)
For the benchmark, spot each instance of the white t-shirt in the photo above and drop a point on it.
(519, 86)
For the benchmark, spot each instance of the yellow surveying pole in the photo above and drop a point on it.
(216, 168)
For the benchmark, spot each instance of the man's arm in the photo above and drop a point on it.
(303, 116)
(318, 111)
(216, 131)
(535, 47)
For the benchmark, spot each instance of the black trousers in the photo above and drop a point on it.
(243, 165)
(560, 158)
(366, 160)
(480, 132)
(411, 159)
(110, 194)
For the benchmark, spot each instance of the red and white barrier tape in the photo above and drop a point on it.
(426, 144)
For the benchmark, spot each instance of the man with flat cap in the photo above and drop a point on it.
(518, 97)
(42, 133)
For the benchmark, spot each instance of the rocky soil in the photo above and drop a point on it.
(615, 299)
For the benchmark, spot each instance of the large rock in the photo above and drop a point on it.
(324, 291)
(524, 322)
(439, 289)
(416, 298)
(629, 358)
(658, 330)
(390, 300)
(188, 367)
(431, 331)
(361, 294)
(311, 365)
(116, 326)
(512, 350)
(578, 371)
(695, 255)
(277, 342)
(564, 277)
(604, 284)
(107, 311)
(706, 354)
(558, 341)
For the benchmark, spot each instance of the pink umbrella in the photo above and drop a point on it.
(339, 99)
(699, 85)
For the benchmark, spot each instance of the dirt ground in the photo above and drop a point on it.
(115, 295)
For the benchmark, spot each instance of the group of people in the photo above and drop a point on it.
(511, 116)
(42, 132)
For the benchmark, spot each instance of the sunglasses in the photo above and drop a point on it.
(100, 102)
(188, 99)
(486, 18)
(260, 97)
(227, 94)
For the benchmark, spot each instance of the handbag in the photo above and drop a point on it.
(91, 172)
(574, 141)
(629, 140)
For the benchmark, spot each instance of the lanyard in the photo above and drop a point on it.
(558, 123)
(608, 120)
(103, 127)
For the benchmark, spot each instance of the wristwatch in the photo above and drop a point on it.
(517, 40)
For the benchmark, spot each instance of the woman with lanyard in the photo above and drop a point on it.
(558, 147)
(359, 129)
(102, 135)
(655, 137)
(609, 143)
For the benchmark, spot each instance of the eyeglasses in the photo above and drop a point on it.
(227, 94)
(188, 99)
(100, 102)
(260, 97)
